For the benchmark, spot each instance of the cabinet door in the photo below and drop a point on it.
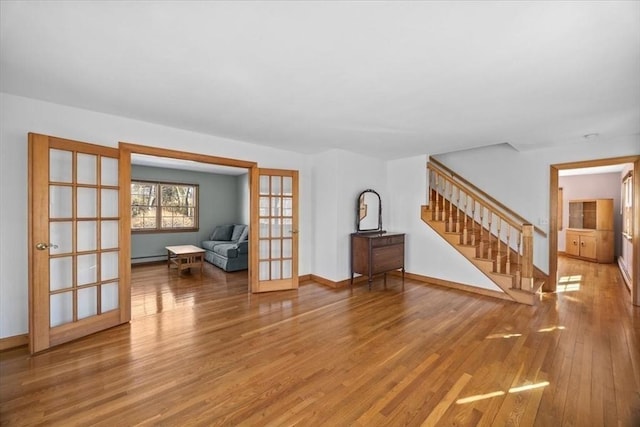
(572, 246)
(588, 247)
(575, 214)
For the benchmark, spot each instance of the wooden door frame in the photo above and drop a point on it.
(126, 150)
(553, 217)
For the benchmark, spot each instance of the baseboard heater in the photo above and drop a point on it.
(148, 258)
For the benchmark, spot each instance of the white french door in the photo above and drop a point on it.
(276, 266)
(75, 284)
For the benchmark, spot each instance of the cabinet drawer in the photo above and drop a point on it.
(386, 241)
(387, 258)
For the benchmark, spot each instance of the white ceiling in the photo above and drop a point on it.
(170, 163)
(391, 79)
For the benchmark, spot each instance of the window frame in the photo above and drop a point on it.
(159, 228)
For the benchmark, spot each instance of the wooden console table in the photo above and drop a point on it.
(185, 257)
(374, 253)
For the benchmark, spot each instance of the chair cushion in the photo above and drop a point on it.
(229, 250)
(222, 232)
(238, 229)
(210, 244)
(245, 235)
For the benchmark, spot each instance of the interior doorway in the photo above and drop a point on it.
(179, 202)
(554, 217)
(128, 150)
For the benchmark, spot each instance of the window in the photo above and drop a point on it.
(163, 206)
(627, 205)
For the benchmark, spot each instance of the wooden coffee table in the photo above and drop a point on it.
(184, 257)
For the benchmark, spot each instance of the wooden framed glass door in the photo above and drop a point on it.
(275, 226)
(74, 241)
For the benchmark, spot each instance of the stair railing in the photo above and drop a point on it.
(501, 236)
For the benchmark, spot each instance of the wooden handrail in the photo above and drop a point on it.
(496, 204)
(514, 224)
(495, 227)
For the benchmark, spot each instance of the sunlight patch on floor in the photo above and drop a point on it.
(552, 328)
(519, 389)
(569, 283)
(494, 336)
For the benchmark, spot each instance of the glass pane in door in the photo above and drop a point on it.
(87, 236)
(60, 273)
(60, 199)
(86, 169)
(87, 302)
(109, 171)
(61, 235)
(60, 165)
(61, 309)
(109, 296)
(87, 203)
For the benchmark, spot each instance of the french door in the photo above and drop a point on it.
(275, 227)
(75, 285)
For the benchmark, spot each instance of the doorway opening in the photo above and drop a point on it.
(205, 162)
(557, 213)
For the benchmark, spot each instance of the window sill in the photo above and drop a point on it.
(174, 230)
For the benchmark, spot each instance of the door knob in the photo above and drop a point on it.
(42, 246)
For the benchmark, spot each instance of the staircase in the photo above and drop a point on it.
(493, 238)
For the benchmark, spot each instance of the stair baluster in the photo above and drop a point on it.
(450, 210)
(519, 272)
(465, 231)
(508, 262)
(484, 241)
(473, 221)
(489, 243)
(499, 239)
(457, 230)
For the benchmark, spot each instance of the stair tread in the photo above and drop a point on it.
(478, 252)
(503, 274)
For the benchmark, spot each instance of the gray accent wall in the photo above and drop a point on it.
(243, 201)
(220, 203)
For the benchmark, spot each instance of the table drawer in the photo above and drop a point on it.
(387, 258)
(387, 240)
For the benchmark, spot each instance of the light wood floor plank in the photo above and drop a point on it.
(200, 350)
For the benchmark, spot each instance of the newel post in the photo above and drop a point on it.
(527, 257)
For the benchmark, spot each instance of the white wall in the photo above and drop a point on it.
(338, 178)
(426, 253)
(520, 180)
(329, 185)
(19, 116)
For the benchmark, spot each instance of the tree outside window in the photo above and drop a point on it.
(163, 206)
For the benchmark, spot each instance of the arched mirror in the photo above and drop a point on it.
(369, 212)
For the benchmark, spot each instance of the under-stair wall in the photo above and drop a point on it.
(493, 238)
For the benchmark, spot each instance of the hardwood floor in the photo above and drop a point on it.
(201, 351)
